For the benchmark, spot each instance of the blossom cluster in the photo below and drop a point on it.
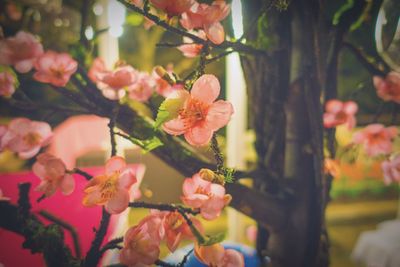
(200, 19)
(124, 80)
(375, 139)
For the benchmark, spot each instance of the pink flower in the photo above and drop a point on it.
(7, 84)
(114, 83)
(391, 170)
(55, 68)
(162, 86)
(142, 242)
(20, 51)
(376, 139)
(338, 112)
(388, 88)
(52, 171)
(207, 17)
(26, 137)
(189, 49)
(174, 228)
(216, 255)
(112, 188)
(3, 130)
(98, 66)
(2, 197)
(143, 88)
(200, 116)
(209, 197)
(173, 7)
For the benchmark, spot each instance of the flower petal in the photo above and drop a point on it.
(67, 184)
(127, 178)
(219, 114)
(114, 164)
(175, 126)
(199, 136)
(215, 32)
(206, 88)
(118, 203)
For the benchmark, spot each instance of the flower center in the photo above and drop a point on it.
(32, 139)
(202, 191)
(58, 73)
(195, 112)
(109, 187)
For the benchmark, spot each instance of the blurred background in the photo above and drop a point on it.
(360, 199)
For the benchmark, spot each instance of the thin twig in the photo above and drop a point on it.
(363, 58)
(82, 173)
(66, 226)
(111, 125)
(217, 154)
(112, 244)
(164, 207)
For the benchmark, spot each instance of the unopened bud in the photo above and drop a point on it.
(160, 71)
(209, 175)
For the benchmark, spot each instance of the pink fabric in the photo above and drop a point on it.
(77, 136)
(68, 208)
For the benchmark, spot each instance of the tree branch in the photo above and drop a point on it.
(39, 238)
(237, 46)
(66, 226)
(364, 59)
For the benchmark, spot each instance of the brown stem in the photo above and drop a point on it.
(364, 60)
(93, 256)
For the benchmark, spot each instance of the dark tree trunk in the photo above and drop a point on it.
(287, 119)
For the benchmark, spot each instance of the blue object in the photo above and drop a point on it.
(250, 255)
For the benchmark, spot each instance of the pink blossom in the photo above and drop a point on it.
(26, 137)
(207, 17)
(338, 112)
(190, 49)
(143, 88)
(162, 86)
(21, 51)
(112, 188)
(142, 242)
(388, 88)
(3, 130)
(2, 197)
(173, 7)
(216, 255)
(52, 171)
(7, 84)
(114, 83)
(200, 116)
(54, 68)
(209, 197)
(174, 228)
(98, 66)
(376, 139)
(391, 170)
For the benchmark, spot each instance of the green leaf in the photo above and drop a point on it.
(229, 175)
(211, 240)
(148, 144)
(134, 19)
(347, 6)
(168, 110)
